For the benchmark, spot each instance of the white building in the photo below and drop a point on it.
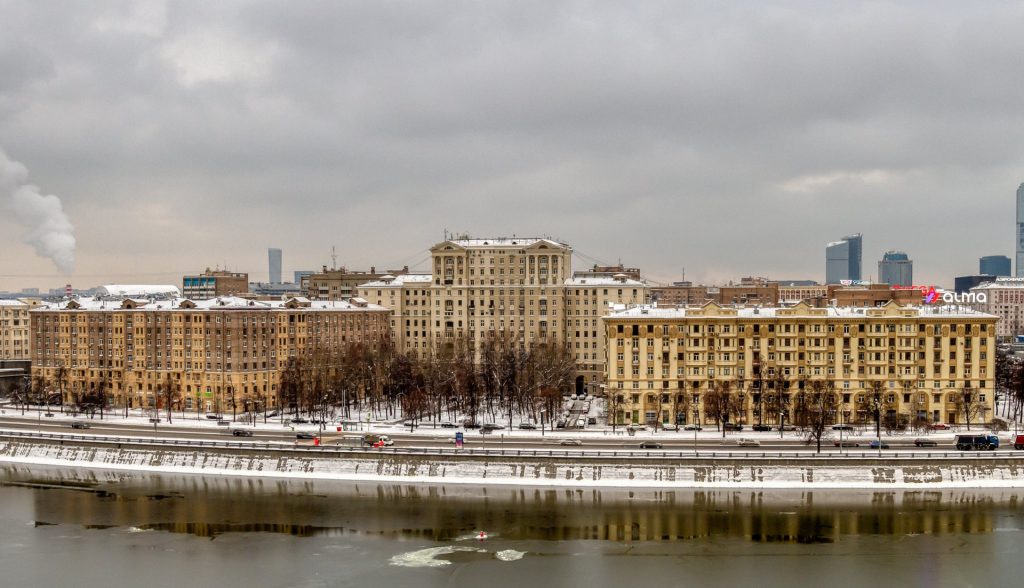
(1004, 298)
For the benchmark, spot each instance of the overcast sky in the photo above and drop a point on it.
(729, 139)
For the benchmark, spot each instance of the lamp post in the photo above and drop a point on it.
(782, 422)
(543, 411)
(696, 426)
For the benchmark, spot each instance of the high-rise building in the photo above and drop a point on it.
(1020, 231)
(896, 269)
(274, 257)
(843, 259)
(1004, 297)
(994, 265)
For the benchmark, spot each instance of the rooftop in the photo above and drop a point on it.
(399, 280)
(219, 303)
(506, 242)
(653, 311)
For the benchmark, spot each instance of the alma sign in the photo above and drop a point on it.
(931, 295)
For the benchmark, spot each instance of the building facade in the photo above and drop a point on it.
(408, 298)
(1004, 298)
(919, 361)
(963, 284)
(211, 350)
(274, 265)
(15, 339)
(843, 259)
(896, 269)
(994, 265)
(213, 283)
(341, 283)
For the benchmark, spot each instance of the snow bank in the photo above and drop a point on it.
(573, 471)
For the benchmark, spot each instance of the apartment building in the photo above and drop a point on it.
(211, 350)
(1004, 297)
(663, 361)
(15, 342)
(341, 283)
(408, 298)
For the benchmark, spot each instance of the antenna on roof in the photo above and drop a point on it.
(334, 258)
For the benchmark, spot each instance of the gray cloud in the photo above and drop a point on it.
(729, 139)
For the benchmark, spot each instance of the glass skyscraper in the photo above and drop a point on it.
(896, 269)
(843, 259)
(994, 265)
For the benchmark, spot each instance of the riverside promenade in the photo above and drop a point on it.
(569, 467)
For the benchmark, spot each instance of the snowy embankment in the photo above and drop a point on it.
(577, 470)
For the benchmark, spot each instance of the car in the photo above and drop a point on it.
(215, 417)
(305, 436)
(732, 426)
(560, 424)
(447, 425)
(761, 428)
(650, 445)
(926, 443)
(410, 424)
(939, 427)
(242, 433)
(745, 442)
(637, 427)
(492, 427)
(876, 444)
(976, 442)
(80, 425)
(573, 442)
(842, 427)
(591, 420)
(470, 425)
(845, 443)
(786, 428)
(527, 426)
(1018, 442)
(300, 420)
(693, 428)
(670, 427)
(377, 440)
(273, 413)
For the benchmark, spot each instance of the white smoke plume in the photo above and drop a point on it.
(49, 230)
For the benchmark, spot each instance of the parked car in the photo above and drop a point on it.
(928, 443)
(786, 428)
(560, 424)
(976, 442)
(745, 442)
(572, 442)
(670, 427)
(843, 427)
(637, 427)
(242, 433)
(80, 425)
(732, 426)
(214, 417)
(492, 427)
(1018, 442)
(939, 427)
(470, 425)
(692, 428)
(527, 426)
(591, 420)
(447, 425)
(305, 436)
(650, 445)
(876, 444)
(845, 443)
(300, 420)
(410, 424)
(761, 428)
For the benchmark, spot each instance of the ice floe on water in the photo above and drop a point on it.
(428, 558)
(509, 555)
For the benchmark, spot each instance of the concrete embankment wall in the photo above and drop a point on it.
(573, 470)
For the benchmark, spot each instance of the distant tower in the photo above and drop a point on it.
(1020, 231)
(994, 265)
(843, 259)
(274, 256)
(896, 269)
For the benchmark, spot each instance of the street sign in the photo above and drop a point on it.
(459, 439)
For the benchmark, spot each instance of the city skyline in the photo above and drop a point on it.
(191, 135)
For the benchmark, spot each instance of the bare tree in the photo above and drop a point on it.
(817, 410)
(721, 404)
(968, 404)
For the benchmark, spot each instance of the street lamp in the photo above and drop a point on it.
(543, 411)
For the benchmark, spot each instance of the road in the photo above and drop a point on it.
(596, 441)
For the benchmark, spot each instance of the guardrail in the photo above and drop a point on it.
(689, 454)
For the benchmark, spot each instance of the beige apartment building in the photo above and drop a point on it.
(341, 283)
(1004, 298)
(15, 341)
(664, 361)
(211, 349)
(408, 298)
(213, 283)
(508, 287)
(587, 299)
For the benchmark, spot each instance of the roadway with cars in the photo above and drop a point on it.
(444, 437)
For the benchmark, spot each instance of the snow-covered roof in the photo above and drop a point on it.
(1002, 282)
(603, 281)
(219, 303)
(505, 242)
(133, 290)
(9, 302)
(398, 281)
(653, 311)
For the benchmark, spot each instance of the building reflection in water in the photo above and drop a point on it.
(210, 506)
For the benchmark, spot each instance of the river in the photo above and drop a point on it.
(99, 528)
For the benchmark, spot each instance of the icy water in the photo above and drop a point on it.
(106, 529)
